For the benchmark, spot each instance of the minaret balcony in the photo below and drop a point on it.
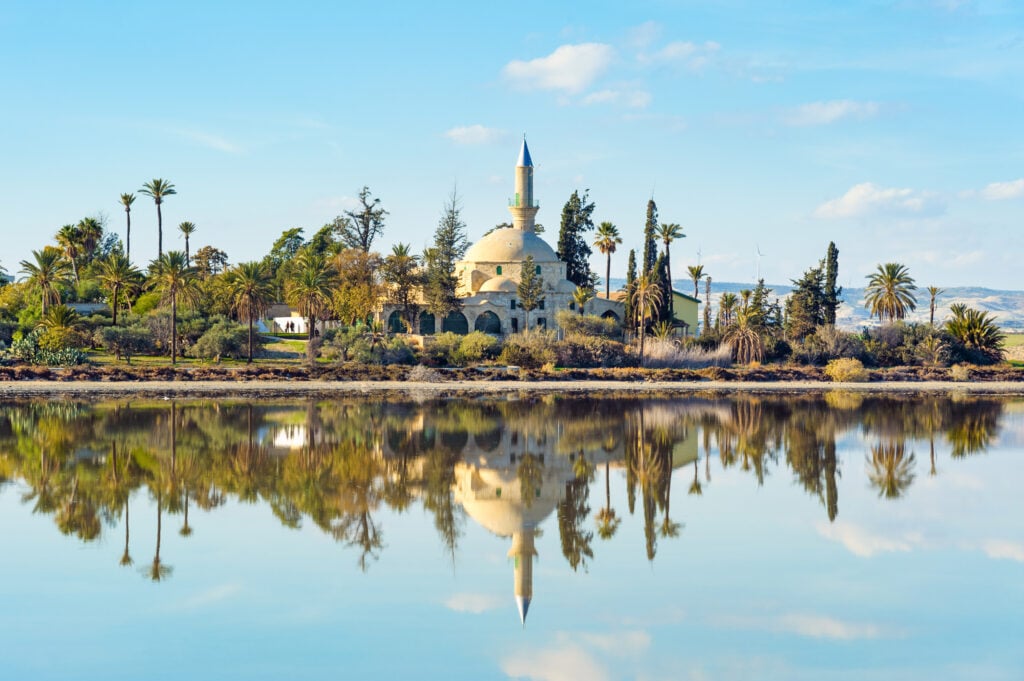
(516, 203)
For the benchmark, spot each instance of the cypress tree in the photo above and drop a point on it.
(630, 283)
(650, 238)
(832, 293)
(531, 288)
(573, 247)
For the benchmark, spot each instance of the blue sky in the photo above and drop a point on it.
(893, 128)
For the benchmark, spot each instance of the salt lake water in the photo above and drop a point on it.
(837, 536)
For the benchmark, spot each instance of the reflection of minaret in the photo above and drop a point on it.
(523, 208)
(523, 552)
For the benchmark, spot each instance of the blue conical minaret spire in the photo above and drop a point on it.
(524, 155)
(523, 207)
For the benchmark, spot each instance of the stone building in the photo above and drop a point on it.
(489, 275)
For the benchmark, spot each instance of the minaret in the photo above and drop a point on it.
(523, 552)
(523, 207)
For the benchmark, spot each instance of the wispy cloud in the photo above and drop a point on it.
(566, 663)
(823, 113)
(644, 35)
(474, 134)
(472, 603)
(633, 99)
(209, 597)
(807, 626)
(869, 199)
(691, 55)
(1003, 550)
(570, 68)
(208, 140)
(1001, 191)
(860, 542)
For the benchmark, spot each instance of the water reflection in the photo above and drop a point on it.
(506, 465)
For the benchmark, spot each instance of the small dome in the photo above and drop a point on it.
(501, 284)
(565, 286)
(510, 245)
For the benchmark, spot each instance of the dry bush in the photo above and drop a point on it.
(666, 354)
(846, 370)
(422, 374)
(960, 372)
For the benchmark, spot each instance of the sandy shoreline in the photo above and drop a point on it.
(285, 389)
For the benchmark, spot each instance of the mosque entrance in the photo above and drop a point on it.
(427, 324)
(488, 322)
(456, 322)
(395, 323)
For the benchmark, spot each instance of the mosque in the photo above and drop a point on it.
(489, 275)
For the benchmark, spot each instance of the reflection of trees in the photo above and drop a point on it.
(349, 460)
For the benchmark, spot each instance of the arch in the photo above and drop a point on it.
(455, 322)
(395, 323)
(610, 314)
(427, 326)
(488, 322)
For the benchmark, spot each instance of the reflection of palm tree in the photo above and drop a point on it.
(695, 487)
(607, 522)
(157, 570)
(890, 469)
(126, 559)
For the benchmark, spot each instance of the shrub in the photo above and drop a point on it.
(146, 303)
(125, 341)
(27, 349)
(584, 351)
(362, 344)
(440, 350)
(530, 349)
(422, 374)
(475, 347)
(846, 370)
(828, 343)
(960, 373)
(588, 325)
(223, 339)
(58, 338)
(665, 354)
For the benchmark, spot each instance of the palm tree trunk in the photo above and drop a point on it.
(608, 278)
(643, 325)
(113, 303)
(309, 331)
(187, 259)
(128, 236)
(174, 329)
(159, 231)
(250, 332)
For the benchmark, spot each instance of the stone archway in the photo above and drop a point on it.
(609, 314)
(427, 325)
(395, 322)
(488, 322)
(455, 322)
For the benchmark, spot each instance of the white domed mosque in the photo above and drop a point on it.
(489, 274)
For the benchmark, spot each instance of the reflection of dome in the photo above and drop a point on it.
(506, 513)
(499, 284)
(510, 245)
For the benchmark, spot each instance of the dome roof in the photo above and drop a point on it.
(499, 284)
(565, 286)
(510, 245)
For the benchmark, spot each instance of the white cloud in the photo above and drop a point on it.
(203, 139)
(1000, 191)
(862, 543)
(474, 134)
(635, 99)
(694, 56)
(869, 199)
(567, 663)
(644, 35)
(619, 643)
(808, 626)
(1005, 550)
(208, 597)
(472, 603)
(570, 68)
(823, 113)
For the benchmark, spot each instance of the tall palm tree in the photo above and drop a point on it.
(606, 239)
(668, 233)
(157, 189)
(187, 229)
(69, 238)
(177, 284)
(647, 296)
(726, 308)
(61, 317)
(127, 200)
(890, 292)
(933, 292)
(252, 290)
(48, 273)
(118, 276)
(310, 287)
(696, 273)
(581, 296)
(91, 231)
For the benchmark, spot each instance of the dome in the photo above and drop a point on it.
(510, 245)
(565, 286)
(501, 284)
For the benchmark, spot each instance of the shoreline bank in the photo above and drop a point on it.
(263, 389)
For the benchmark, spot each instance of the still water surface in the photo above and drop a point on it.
(844, 537)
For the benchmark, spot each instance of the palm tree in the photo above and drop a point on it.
(157, 189)
(696, 273)
(252, 290)
(91, 232)
(933, 293)
(581, 296)
(745, 338)
(61, 317)
(606, 239)
(49, 272)
(187, 229)
(127, 200)
(311, 286)
(726, 308)
(647, 296)
(69, 238)
(118, 276)
(890, 292)
(668, 233)
(978, 331)
(171, 276)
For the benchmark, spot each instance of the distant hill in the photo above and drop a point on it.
(1006, 306)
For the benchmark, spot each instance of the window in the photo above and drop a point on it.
(537, 270)
(572, 306)
(541, 305)
(542, 323)
(499, 269)
(515, 329)
(513, 303)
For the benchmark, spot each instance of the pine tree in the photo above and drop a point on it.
(573, 246)
(650, 237)
(531, 288)
(832, 293)
(450, 244)
(807, 304)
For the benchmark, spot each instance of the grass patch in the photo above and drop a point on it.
(1013, 340)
